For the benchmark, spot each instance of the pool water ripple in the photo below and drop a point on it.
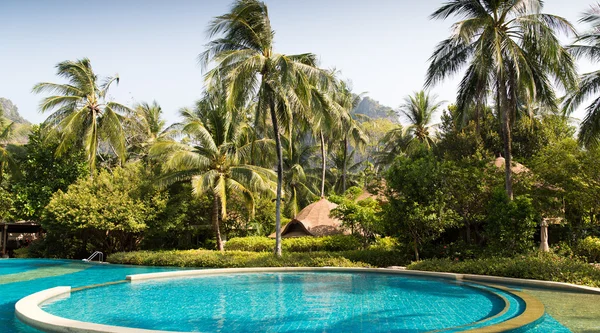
(283, 302)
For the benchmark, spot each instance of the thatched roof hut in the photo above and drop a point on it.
(516, 167)
(313, 220)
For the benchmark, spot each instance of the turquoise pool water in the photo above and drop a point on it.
(274, 302)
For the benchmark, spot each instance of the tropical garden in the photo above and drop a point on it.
(273, 133)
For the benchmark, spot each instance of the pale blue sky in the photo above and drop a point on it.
(382, 46)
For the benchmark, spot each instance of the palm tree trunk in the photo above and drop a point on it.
(215, 220)
(345, 167)
(416, 248)
(279, 176)
(323, 165)
(504, 108)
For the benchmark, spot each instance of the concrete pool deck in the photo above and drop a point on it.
(28, 309)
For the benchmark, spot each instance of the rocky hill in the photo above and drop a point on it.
(373, 109)
(11, 112)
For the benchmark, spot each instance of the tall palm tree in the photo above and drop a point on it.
(245, 61)
(7, 161)
(350, 130)
(396, 142)
(587, 45)
(145, 126)
(213, 158)
(510, 48)
(300, 180)
(419, 110)
(82, 115)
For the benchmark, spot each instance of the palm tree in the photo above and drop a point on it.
(350, 129)
(300, 180)
(511, 49)
(82, 115)
(419, 110)
(396, 142)
(246, 63)
(587, 45)
(145, 127)
(6, 158)
(212, 157)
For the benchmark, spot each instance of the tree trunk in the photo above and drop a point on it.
(279, 176)
(504, 108)
(215, 220)
(323, 165)
(345, 166)
(416, 248)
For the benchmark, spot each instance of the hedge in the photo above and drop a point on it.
(216, 259)
(540, 266)
(589, 248)
(300, 244)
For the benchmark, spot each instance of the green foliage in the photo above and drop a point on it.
(43, 173)
(510, 224)
(385, 244)
(589, 248)
(363, 218)
(298, 244)
(6, 205)
(417, 202)
(107, 213)
(539, 266)
(227, 259)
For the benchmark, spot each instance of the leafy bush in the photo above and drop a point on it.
(300, 244)
(510, 224)
(107, 213)
(539, 266)
(589, 248)
(215, 259)
(386, 244)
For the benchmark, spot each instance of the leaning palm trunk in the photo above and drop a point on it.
(504, 107)
(323, 165)
(216, 224)
(279, 176)
(345, 167)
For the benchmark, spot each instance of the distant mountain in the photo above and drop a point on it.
(11, 112)
(21, 128)
(373, 109)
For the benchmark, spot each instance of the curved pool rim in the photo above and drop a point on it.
(28, 309)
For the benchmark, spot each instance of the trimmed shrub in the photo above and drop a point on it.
(300, 244)
(540, 266)
(215, 259)
(589, 248)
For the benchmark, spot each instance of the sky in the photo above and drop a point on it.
(381, 46)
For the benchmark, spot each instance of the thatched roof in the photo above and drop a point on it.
(313, 220)
(516, 167)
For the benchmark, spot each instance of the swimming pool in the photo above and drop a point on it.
(269, 302)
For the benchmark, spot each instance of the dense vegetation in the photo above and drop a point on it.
(274, 132)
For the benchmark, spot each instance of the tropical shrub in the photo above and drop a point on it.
(589, 248)
(510, 224)
(538, 266)
(107, 213)
(299, 244)
(217, 259)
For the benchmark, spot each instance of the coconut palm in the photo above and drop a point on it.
(245, 61)
(300, 180)
(145, 126)
(587, 45)
(212, 157)
(419, 110)
(6, 159)
(349, 131)
(82, 114)
(396, 142)
(510, 48)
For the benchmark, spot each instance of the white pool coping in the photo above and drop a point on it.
(28, 309)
